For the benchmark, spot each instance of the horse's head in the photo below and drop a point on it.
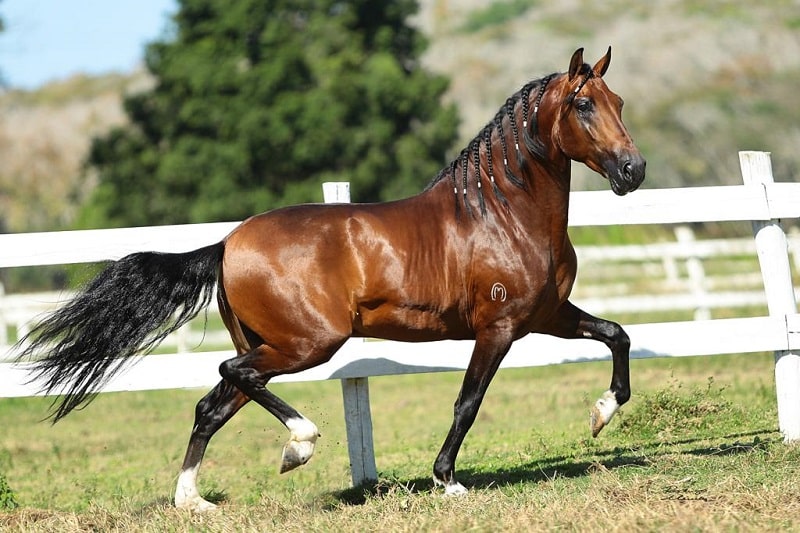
(588, 125)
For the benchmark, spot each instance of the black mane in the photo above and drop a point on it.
(505, 119)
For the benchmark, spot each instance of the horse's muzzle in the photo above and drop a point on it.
(626, 173)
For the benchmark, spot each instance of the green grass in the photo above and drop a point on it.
(696, 448)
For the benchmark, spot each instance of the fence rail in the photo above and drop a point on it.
(759, 200)
(663, 276)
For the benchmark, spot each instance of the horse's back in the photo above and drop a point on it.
(322, 240)
(361, 269)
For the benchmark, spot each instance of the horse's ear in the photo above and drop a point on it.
(602, 66)
(575, 63)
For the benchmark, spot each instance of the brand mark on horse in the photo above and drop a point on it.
(499, 292)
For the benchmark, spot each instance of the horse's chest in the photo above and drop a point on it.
(533, 284)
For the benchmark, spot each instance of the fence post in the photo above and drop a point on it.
(3, 324)
(355, 391)
(773, 257)
(696, 272)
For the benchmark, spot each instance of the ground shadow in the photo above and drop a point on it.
(751, 441)
(549, 468)
(537, 471)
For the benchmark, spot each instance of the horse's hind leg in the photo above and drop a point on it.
(211, 413)
(218, 406)
(251, 372)
(574, 323)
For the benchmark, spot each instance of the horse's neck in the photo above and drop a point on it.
(539, 210)
(547, 194)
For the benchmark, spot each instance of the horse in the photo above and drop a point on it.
(482, 253)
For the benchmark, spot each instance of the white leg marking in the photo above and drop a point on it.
(603, 411)
(453, 488)
(186, 494)
(302, 429)
(298, 450)
(607, 405)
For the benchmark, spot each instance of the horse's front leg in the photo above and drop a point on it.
(491, 345)
(574, 323)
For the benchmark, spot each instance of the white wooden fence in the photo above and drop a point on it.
(656, 277)
(759, 200)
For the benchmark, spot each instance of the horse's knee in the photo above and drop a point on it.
(619, 339)
(227, 369)
(233, 371)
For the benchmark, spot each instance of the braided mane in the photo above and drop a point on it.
(458, 170)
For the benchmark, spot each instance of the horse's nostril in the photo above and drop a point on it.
(627, 169)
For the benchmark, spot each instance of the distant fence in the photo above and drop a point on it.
(759, 200)
(672, 276)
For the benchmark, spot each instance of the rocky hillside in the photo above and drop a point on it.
(701, 81)
(44, 138)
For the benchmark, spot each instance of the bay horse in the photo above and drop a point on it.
(482, 253)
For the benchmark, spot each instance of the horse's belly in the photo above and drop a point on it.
(411, 324)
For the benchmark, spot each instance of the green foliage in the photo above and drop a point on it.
(496, 13)
(672, 411)
(793, 23)
(8, 499)
(257, 103)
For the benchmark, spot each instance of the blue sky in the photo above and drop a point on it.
(46, 40)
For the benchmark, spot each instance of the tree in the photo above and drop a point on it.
(258, 102)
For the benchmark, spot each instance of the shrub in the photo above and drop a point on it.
(8, 500)
(674, 411)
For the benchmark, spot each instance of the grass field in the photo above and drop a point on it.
(697, 448)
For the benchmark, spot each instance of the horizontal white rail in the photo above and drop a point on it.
(587, 208)
(359, 358)
(656, 287)
(95, 245)
(692, 204)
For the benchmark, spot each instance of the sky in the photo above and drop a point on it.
(46, 40)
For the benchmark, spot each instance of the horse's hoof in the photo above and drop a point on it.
(602, 412)
(596, 422)
(296, 453)
(451, 488)
(455, 489)
(195, 505)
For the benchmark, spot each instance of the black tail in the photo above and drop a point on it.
(126, 310)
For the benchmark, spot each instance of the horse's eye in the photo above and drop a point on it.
(583, 105)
